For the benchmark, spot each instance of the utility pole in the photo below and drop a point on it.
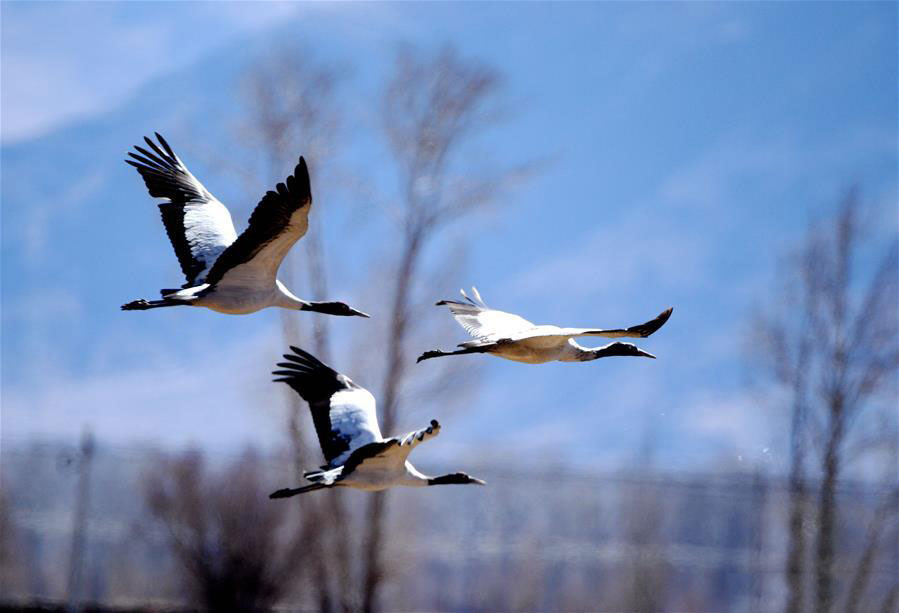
(79, 524)
(758, 524)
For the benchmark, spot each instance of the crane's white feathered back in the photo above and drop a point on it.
(484, 323)
(354, 418)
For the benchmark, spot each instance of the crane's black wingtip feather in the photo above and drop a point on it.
(303, 354)
(650, 327)
(142, 163)
(661, 319)
(301, 173)
(164, 144)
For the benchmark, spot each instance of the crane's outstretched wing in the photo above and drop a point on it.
(279, 220)
(387, 454)
(484, 323)
(198, 225)
(639, 331)
(390, 453)
(344, 413)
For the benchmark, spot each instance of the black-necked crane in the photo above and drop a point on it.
(226, 272)
(512, 337)
(346, 421)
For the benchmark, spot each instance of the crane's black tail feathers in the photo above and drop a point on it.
(143, 305)
(288, 492)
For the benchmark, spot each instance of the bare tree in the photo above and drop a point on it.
(293, 107)
(836, 348)
(884, 513)
(787, 341)
(643, 513)
(431, 106)
(80, 521)
(238, 551)
(10, 548)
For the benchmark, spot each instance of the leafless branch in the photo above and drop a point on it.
(836, 349)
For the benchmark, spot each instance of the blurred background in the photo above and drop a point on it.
(582, 164)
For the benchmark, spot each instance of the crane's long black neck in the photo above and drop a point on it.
(329, 308)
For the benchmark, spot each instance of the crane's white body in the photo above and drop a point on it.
(541, 344)
(392, 475)
(237, 300)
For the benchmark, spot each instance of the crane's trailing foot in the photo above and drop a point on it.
(287, 492)
(143, 305)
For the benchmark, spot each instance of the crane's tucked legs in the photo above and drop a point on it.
(143, 305)
(288, 492)
(436, 353)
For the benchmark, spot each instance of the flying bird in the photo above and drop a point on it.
(512, 337)
(346, 422)
(226, 272)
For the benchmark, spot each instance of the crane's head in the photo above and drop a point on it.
(612, 349)
(628, 349)
(455, 479)
(332, 308)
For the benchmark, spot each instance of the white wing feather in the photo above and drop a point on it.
(484, 323)
(198, 225)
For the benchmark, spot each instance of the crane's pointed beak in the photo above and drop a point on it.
(359, 313)
(645, 354)
(478, 481)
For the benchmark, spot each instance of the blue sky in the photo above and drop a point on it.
(684, 149)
